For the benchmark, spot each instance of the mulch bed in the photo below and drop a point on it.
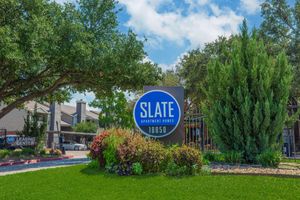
(254, 170)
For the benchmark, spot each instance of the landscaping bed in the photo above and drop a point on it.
(283, 170)
(28, 156)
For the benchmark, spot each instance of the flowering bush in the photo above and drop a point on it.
(97, 148)
(101, 143)
(129, 153)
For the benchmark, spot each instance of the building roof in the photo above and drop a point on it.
(65, 124)
(71, 110)
(40, 107)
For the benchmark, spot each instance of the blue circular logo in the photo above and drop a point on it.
(157, 113)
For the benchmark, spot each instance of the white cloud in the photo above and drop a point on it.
(198, 26)
(195, 3)
(172, 66)
(250, 6)
(63, 1)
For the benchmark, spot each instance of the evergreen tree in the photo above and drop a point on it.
(34, 127)
(247, 97)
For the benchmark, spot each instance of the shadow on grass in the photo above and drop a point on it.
(101, 172)
(92, 171)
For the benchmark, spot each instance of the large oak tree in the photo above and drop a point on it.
(48, 49)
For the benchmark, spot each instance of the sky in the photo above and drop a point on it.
(173, 27)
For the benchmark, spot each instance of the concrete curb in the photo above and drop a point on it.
(25, 162)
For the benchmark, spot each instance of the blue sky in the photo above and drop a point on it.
(173, 27)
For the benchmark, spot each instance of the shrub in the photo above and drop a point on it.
(214, 156)
(205, 161)
(233, 157)
(111, 144)
(16, 153)
(152, 156)
(98, 145)
(94, 164)
(97, 148)
(173, 169)
(43, 152)
(28, 151)
(4, 153)
(210, 156)
(111, 168)
(125, 153)
(55, 152)
(131, 149)
(189, 157)
(124, 169)
(130, 152)
(137, 168)
(269, 158)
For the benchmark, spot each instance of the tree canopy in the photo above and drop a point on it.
(280, 30)
(192, 68)
(48, 49)
(85, 127)
(116, 111)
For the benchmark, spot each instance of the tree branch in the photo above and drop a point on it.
(58, 83)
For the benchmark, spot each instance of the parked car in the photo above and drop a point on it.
(71, 145)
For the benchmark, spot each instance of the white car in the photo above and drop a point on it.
(71, 145)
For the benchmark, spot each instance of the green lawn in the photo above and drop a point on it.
(77, 182)
(291, 160)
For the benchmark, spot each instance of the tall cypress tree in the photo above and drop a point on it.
(247, 97)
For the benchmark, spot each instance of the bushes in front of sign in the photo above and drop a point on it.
(148, 153)
(184, 160)
(96, 151)
(137, 168)
(124, 153)
(153, 156)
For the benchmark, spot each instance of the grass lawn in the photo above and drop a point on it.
(78, 182)
(291, 160)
